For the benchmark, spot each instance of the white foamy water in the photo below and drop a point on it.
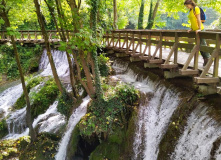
(60, 61)
(197, 140)
(74, 119)
(8, 99)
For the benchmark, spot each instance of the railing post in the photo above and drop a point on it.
(140, 41)
(216, 61)
(119, 39)
(161, 46)
(149, 44)
(176, 49)
(196, 56)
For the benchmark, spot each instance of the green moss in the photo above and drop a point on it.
(44, 148)
(117, 136)
(106, 150)
(44, 98)
(3, 128)
(104, 67)
(21, 102)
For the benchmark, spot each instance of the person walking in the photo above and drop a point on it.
(197, 25)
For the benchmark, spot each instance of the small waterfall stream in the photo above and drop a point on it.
(74, 119)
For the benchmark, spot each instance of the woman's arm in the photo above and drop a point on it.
(199, 22)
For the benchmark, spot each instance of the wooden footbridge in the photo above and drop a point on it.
(171, 50)
(174, 51)
(31, 37)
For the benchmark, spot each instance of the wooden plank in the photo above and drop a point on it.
(169, 66)
(156, 61)
(188, 72)
(199, 80)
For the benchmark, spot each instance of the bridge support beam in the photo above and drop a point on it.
(121, 55)
(172, 74)
(148, 65)
(207, 89)
(135, 59)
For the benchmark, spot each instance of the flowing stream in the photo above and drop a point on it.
(74, 119)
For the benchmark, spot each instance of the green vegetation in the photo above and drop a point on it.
(29, 60)
(20, 103)
(111, 112)
(44, 148)
(44, 98)
(65, 104)
(12, 148)
(103, 65)
(3, 128)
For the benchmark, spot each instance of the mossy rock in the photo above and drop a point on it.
(73, 144)
(44, 98)
(12, 148)
(3, 128)
(21, 102)
(117, 136)
(106, 150)
(44, 148)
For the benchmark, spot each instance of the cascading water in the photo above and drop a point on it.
(154, 113)
(74, 119)
(198, 137)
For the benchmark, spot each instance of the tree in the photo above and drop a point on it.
(152, 15)
(115, 13)
(45, 35)
(4, 16)
(141, 15)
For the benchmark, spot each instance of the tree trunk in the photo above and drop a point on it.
(32, 133)
(44, 32)
(141, 15)
(152, 16)
(98, 89)
(115, 13)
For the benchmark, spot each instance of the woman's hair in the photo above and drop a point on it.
(191, 2)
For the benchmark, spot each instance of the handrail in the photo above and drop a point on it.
(134, 39)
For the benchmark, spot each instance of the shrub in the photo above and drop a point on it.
(103, 65)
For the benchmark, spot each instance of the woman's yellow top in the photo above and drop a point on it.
(193, 19)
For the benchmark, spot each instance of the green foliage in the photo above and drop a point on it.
(65, 104)
(21, 102)
(29, 57)
(12, 148)
(109, 112)
(127, 94)
(3, 128)
(44, 148)
(44, 98)
(103, 65)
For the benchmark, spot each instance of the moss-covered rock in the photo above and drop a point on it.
(3, 128)
(106, 150)
(21, 102)
(12, 148)
(44, 98)
(44, 148)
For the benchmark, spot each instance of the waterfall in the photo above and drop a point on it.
(60, 61)
(154, 113)
(74, 119)
(17, 119)
(198, 137)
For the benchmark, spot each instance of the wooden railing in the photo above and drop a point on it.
(32, 36)
(138, 43)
